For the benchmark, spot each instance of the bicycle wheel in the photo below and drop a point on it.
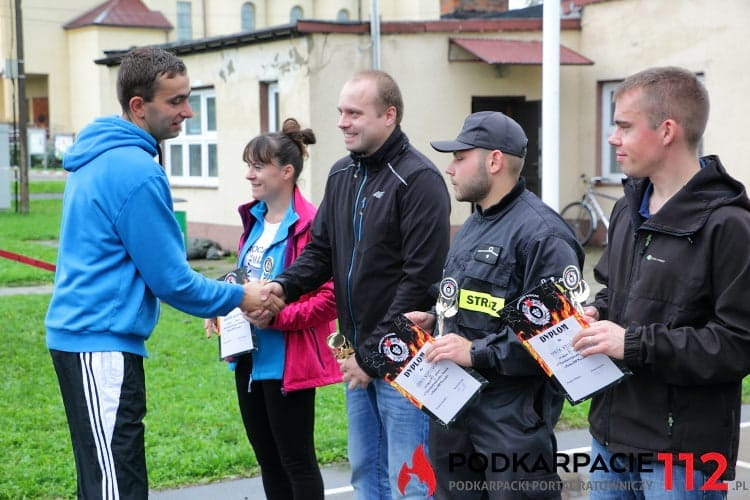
(580, 218)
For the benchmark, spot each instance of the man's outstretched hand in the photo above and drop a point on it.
(261, 298)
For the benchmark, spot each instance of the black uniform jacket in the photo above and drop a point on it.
(681, 281)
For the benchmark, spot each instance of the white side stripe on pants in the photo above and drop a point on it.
(102, 374)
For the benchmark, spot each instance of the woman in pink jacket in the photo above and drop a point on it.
(276, 382)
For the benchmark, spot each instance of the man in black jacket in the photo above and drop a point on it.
(382, 232)
(675, 304)
(508, 246)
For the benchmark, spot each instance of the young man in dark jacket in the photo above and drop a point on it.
(382, 232)
(508, 246)
(675, 304)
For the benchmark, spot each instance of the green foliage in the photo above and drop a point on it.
(573, 417)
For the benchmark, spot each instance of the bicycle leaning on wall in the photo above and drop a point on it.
(584, 216)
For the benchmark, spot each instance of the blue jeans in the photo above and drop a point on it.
(644, 485)
(384, 430)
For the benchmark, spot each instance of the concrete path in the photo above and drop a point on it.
(26, 290)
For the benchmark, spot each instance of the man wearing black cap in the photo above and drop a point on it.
(510, 244)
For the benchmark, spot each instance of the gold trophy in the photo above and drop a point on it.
(340, 345)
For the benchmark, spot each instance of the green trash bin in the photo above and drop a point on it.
(181, 217)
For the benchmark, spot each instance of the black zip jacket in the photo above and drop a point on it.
(680, 281)
(382, 231)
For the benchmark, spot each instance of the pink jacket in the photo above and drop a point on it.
(307, 322)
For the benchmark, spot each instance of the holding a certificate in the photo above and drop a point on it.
(511, 243)
(546, 321)
(279, 360)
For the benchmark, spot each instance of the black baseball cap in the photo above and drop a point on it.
(487, 130)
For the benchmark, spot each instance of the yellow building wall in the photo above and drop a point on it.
(91, 88)
(47, 46)
(399, 10)
(235, 75)
(328, 9)
(45, 51)
(310, 72)
(626, 36)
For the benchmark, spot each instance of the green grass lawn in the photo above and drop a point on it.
(193, 429)
(50, 186)
(27, 235)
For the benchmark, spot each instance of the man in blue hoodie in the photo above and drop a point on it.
(121, 251)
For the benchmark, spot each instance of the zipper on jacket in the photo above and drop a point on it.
(646, 244)
(608, 406)
(357, 216)
(670, 417)
(670, 424)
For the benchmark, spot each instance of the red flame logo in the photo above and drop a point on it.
(421, 468)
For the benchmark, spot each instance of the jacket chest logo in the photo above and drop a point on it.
(487, 253)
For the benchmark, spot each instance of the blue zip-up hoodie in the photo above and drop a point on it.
(268, 358)
(121, 249)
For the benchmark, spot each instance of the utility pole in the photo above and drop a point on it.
(23, 115)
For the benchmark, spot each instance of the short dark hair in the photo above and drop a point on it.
(140, 69)
(388, 93)
(671, 92)
(288, 147)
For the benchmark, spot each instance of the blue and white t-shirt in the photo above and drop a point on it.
(254, 257)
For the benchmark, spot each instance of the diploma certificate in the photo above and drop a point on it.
(545, 321)
(439, 389)
(235, 334)
(580, 377)
(443, 388)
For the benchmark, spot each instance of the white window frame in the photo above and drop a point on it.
(184, 21)
(295, 14)
(273, 107)
(607, 128)
(247, 16)
(205, 139)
